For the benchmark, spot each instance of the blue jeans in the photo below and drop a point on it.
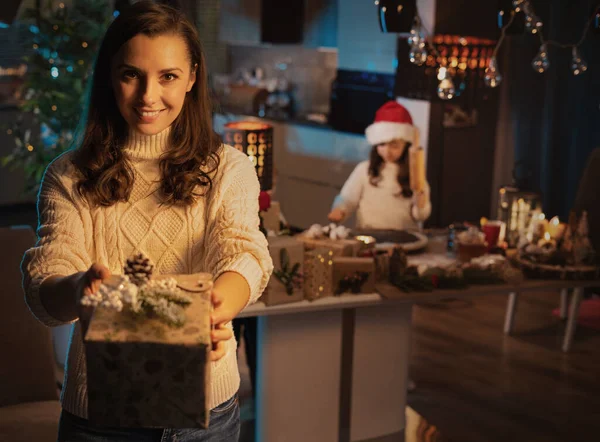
(224, 427)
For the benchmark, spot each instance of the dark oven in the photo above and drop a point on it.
(355, 96)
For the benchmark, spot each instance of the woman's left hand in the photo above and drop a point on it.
(420, 199)
(220, 316)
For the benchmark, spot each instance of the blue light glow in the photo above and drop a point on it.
(116, 14)
(34, 29)
(382, 18)
(54, 72)
(69, 68)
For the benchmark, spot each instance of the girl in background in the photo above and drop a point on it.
(379, 189)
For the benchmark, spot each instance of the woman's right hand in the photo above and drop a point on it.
(86, 283)
(336, 215)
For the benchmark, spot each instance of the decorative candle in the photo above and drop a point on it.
(547, 241)
(255, 139)
(553, 227)
(366, 239)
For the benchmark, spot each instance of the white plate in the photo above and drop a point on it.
(419, 244)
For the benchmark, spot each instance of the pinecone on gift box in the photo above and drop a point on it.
(139, 269)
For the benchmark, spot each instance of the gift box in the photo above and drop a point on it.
(271, 218)
(340, 247)
(142, 372)
(353, 275)
(381, 260)
(318, 273)
(286, 282)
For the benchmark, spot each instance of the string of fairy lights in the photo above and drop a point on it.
(421, 46)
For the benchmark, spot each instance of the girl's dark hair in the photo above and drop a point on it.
(376, 162)
(106, 175)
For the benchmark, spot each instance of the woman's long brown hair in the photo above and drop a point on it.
(186, 168)
(376, 162)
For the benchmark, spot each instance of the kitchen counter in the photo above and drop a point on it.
(301, 119)
(336, 369)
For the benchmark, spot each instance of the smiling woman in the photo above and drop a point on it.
(148, 175)
(151, 77)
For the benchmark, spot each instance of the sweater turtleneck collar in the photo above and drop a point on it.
(390, 168)
(147, 147)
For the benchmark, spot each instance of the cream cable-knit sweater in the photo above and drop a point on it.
(218, 233)
(381, 206)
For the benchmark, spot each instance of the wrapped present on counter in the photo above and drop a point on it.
(333, 237)
(285, 285)
(318, 273)
(381, 260)
(148, 353)
(271, 217)
(353, 275)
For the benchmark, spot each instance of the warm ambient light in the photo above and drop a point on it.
(247, 125)
(365, 239)
(255, 139)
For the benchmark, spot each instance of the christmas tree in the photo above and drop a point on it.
(65, 40)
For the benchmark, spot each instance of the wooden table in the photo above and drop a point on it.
(336, 369)
(570, 312)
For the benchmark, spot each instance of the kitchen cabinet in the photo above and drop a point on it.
(243, 22)
(239, 21)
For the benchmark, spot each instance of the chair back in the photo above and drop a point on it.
(27, 367)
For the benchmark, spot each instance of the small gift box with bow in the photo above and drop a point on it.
(286, 282)
(353, 275)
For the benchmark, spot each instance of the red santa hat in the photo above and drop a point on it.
(392, 121)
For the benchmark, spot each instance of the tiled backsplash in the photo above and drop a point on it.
(310, 71)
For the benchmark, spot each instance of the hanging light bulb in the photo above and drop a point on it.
(415, 34)
(533, 24)
(578, 64)
(541, 63)
(417, 54)
(446, 89)
(422, 39)
(492, 78)
(517, 4)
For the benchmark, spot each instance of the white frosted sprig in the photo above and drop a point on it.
(164, 289)
(168, 311)
(338, 232)
(160, 297)
(332, 231)
(112, 294)
(488, 261)
(314, 232)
